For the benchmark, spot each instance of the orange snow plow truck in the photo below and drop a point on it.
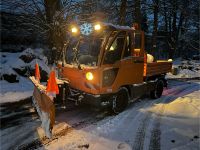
(106, 65)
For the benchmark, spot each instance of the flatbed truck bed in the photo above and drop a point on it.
(158, 67)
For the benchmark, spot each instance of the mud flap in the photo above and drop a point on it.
(45, 108)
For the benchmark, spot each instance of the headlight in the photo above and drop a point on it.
(89, 76)
(97, 27)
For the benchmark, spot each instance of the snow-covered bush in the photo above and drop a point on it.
(30, 54)
(23, 64)
(196, 57)
(28, 68)
(8, 74)
(185, 69)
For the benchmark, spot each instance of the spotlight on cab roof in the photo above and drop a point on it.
(97, 27)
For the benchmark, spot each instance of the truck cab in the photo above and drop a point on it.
(108, 67)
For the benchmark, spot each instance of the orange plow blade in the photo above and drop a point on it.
(44, 106)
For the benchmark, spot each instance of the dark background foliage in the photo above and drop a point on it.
(171, 26)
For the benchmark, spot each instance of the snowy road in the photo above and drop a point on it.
(171, 122)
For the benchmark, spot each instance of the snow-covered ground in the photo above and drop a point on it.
(170, 122)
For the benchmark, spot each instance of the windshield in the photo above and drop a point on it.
(85, 50)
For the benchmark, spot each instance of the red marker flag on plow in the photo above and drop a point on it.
(52, 87)
(37, 72)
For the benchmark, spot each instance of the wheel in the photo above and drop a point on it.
(157, 92)
(120, 100)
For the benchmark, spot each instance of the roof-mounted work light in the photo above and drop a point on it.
(97, 27)
(74, 30)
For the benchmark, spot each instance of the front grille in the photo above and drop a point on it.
(109, 76)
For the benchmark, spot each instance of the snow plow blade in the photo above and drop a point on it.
(44, 106)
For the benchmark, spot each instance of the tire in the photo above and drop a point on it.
(120, 101)
(157, 92)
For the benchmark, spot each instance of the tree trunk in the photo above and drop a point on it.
(51, 6)
(155, 27)
(165, 16)
(174, 30)
(180, 24)
(122, 12)
(137, 13)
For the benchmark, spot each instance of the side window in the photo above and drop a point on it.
(127, 51)
(113, 53)
(137, 43)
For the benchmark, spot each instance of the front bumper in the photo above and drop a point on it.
(81, 97)
(102, 101)
(78, 96)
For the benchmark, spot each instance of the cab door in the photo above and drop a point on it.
(132, 62)
(123, 61)
(111, 61)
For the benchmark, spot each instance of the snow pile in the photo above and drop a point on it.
(186, 106)
(14, 69)
(34, 53)
(22, 64)
(6, 71)
(185, 69)
(180, 122)
(30, 57)
(183, 107)
(73, 141)
(37, 55)
(11, 92)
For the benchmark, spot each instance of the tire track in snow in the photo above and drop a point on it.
(156, 132)
(155, 136)
(132, 117)
(140, 135)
